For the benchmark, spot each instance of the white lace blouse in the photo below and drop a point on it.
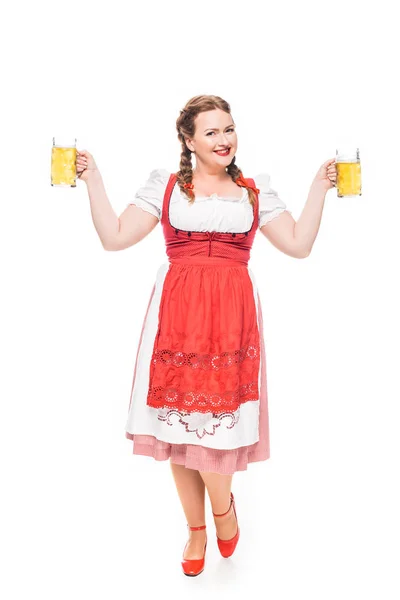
(209, 213)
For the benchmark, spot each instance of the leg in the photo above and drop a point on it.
(219, 490)
(191, 492)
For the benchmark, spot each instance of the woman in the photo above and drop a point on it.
(199, 394)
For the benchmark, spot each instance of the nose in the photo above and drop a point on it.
(223, 141)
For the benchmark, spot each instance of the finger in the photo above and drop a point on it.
(329, 162)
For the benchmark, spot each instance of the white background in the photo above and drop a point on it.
(81, 516)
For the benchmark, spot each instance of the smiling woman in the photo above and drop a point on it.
(199, 390)
(199, 393)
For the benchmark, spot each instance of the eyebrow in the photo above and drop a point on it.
(216, 129)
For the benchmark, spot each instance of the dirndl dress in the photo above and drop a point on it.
(199, 391)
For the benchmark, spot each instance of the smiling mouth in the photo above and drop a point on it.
(224, 152)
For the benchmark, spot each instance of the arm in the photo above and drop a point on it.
(297, 238)
(116, 233)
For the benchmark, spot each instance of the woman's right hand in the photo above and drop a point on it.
(85, 165)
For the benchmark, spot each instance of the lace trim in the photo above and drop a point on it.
(159, 397)
(223, 360)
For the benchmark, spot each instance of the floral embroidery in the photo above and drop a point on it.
(201, 424)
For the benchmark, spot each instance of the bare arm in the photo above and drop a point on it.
(297, 238)
(116, 233)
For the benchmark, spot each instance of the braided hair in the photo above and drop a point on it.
(185, 126)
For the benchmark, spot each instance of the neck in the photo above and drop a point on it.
(209, 174)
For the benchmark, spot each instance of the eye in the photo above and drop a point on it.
(230, 129)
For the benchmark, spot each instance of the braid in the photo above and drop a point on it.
(235, 173)
(185, 174)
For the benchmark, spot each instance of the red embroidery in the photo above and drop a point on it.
(159, 397)
(205, 361)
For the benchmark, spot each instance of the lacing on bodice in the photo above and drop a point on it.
(180, 243)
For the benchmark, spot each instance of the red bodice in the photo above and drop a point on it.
(179, 244)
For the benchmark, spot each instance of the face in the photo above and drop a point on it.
(215, 130)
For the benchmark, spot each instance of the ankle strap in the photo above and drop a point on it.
(225, 513)
(197, 528)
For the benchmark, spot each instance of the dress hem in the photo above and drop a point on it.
(196, 457)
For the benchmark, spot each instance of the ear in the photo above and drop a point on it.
(189, 144)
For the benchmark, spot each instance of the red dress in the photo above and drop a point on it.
(207, 359)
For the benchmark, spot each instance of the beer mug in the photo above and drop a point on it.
(348, 169)
(63, 162)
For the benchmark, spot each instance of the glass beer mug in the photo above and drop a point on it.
(348, 169)
(63, 162)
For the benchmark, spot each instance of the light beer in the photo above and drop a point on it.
(348, 169)
(63, 164)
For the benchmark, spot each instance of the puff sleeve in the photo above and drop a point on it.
(270, 205)
(149, 196)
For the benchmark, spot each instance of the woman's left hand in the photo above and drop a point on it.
(326, 175)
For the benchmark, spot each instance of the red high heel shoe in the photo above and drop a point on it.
(194, 566)
(227, 547)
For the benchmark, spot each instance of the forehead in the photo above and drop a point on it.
(213, 119)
